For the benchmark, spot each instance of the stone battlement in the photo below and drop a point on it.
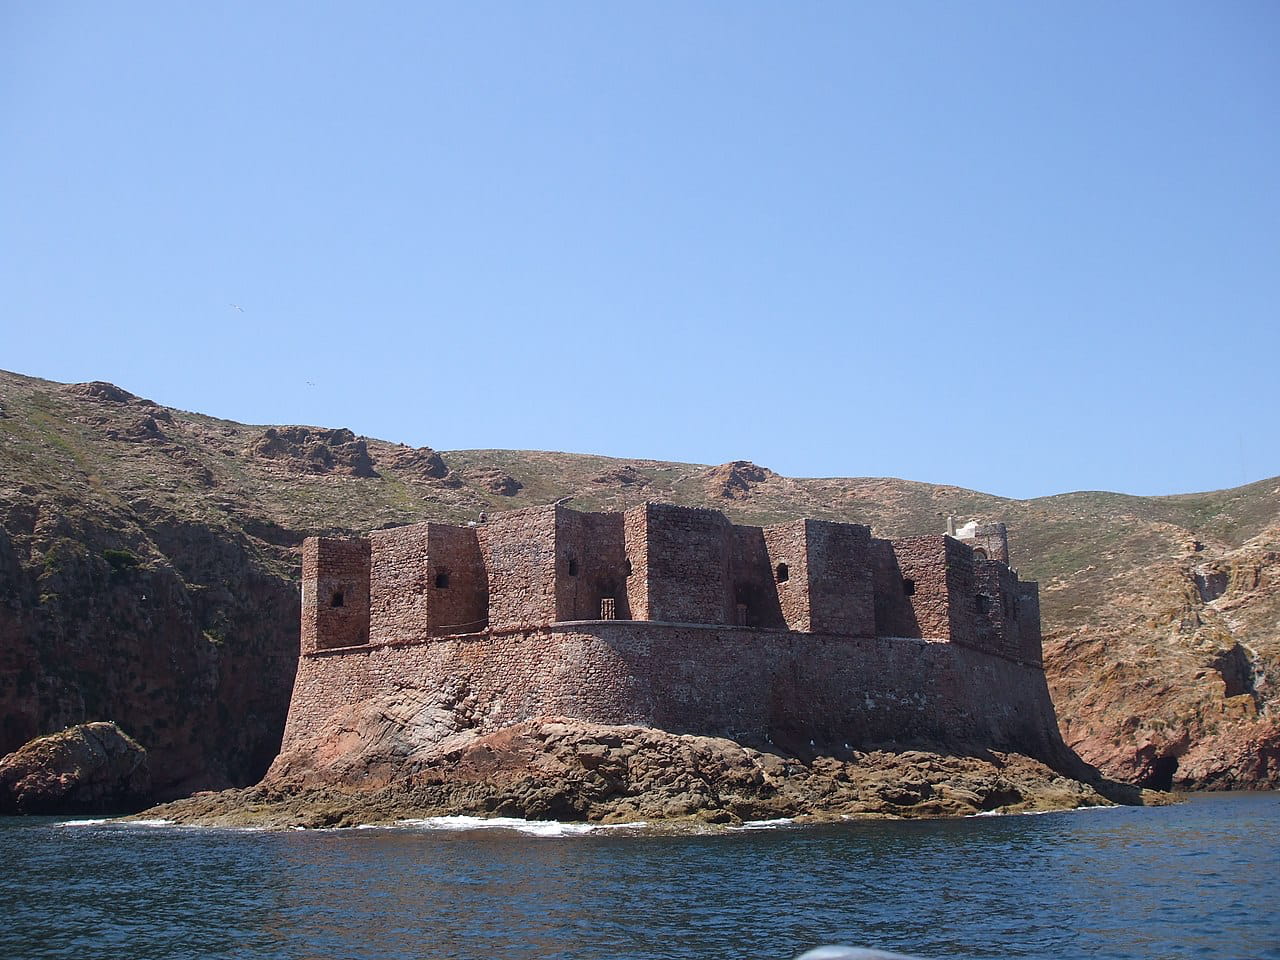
(808, 632)
(665, 564)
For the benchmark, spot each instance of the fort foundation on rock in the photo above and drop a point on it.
(676, 618)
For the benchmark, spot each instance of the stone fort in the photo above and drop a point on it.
(675, 617)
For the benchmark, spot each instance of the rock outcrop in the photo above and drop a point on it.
(736, 480)
(1204, 720)
(311, 450)
(420, 462)
(496, 481)
(558, 769)
(88, 768)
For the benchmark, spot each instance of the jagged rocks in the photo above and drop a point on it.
(108, 392)
(736, 479)
(312, 450)
(495, 481)
(553, 768)
(420, 462)
(625, 476)
(88, 768)
(142, 430)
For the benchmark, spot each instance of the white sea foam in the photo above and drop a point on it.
(1038, 813)
(535, 828)
(764, 824)
(115, 823)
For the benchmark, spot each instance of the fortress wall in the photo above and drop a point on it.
(1029, 622)
(753, 594)
(596, 544)
(520, 554)
(688, 565)
(752, 686)
(457, 583)
(992, 539)
(922, 560)
(841, 588)
(398, 584)
(788, 545)
(958, 558)
(997, 616)
(894, 614)
(424, 580)
(635, 536)
(335, 593)
(572, 572)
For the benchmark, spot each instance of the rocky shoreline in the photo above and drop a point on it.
(556, 769)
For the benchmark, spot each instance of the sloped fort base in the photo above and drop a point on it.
(753, 686)
(675, 618)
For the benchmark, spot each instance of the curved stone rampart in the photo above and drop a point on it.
(749, 684)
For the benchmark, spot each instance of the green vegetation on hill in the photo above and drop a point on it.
(148, 561)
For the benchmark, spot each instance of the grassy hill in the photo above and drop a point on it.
(148, 566)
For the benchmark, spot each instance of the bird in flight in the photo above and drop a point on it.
(238, 307)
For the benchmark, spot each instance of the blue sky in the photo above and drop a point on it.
(1025, 248)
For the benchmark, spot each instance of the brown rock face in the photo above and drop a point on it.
(627, 476)
(1180, 695)
(497, 482)
(109, 392)
(419, 461)
(559, 769)
(736, 480)
(88, 768)
(310, 450)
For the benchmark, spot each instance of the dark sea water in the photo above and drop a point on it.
(1196, 880)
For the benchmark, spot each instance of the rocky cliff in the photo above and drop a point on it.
(149, 562)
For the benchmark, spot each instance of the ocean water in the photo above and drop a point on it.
(1196, 880)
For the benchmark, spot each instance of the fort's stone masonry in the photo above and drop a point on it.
(677, 618)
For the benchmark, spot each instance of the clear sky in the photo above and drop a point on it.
(1021, 247)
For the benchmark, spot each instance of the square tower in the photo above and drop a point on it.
(335, 593)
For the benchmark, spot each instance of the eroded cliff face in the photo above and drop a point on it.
(175, 629)
(149, 563)
(1176, 685)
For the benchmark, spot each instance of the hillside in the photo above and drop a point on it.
(149, 562)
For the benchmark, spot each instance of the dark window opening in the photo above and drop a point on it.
(573, 566)
(442, 579)
(782, 574)
(982, 602)
(337, 599)
(908, 586)
(741, 615)
(979, 553)
(626, 566)
(608, 608)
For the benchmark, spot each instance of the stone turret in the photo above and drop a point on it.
(990, 541)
